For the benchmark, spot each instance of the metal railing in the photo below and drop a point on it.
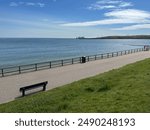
(52, 64)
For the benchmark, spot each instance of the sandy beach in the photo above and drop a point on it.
(9, 86)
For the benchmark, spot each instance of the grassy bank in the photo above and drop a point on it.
(122, 90)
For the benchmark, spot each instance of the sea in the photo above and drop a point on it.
(23, 51)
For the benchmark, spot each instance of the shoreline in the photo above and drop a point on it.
(119, 37)
(9, 86)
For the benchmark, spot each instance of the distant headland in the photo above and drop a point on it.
(120, 37)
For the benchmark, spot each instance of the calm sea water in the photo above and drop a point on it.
(19, 51)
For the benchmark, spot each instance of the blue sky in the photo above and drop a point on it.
(73, 18)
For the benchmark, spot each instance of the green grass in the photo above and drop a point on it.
(122, 90)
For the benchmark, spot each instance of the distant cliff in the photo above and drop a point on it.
(120, 37)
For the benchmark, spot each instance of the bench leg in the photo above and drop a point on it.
(23, 93)
(44, 87)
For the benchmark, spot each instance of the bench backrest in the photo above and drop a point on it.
(34, 86)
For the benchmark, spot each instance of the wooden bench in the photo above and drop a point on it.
(42, 84)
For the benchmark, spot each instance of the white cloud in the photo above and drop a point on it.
(126, 16)
(134, 27)
(119, 14)
(98, 22)
(109, 4)
(99, 7)
(129, 14)
(13, 4)
(125, 4)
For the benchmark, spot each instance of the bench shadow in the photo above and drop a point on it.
(29, 94)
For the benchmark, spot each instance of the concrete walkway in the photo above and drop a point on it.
(9, 86)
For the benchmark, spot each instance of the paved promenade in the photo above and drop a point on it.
(9, 86)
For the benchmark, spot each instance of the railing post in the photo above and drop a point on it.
(2, 73)
(50, 64)
(19, 70)
(72, 61)
(35, 67)
(62, 62)
(102, 56)
(80, 59)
